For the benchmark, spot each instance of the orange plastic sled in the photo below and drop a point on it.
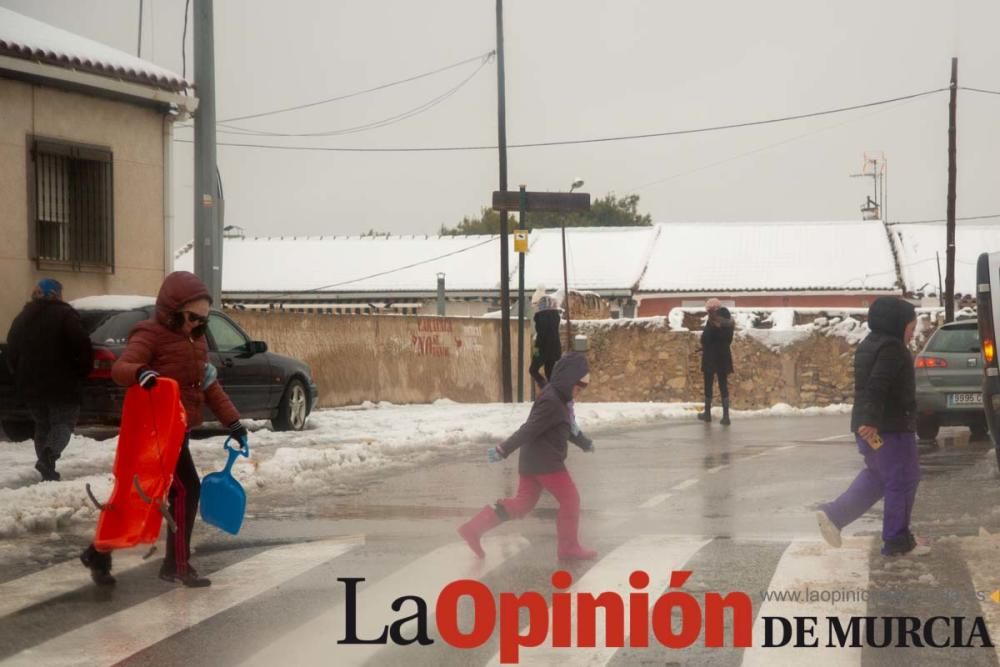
(149, 442)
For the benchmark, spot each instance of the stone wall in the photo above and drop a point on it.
(642, 360)
(357, 358)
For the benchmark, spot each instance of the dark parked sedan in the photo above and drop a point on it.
(263, 385)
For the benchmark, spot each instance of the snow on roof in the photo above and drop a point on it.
(668, 257)
(772, 256)
(920, 244)
(30, 39)
(597, 258)
(357, 264)
(113, 302)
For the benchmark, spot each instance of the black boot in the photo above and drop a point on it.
(706, 416)
(189, 577)
(725, 412)
(99, 565)
(46, 467)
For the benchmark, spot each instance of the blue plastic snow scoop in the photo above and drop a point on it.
(223, 500)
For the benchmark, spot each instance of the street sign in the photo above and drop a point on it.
(521, 240)
(559, 202)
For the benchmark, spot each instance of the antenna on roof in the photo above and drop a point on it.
(874, 168)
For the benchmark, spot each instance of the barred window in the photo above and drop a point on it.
(72, 197)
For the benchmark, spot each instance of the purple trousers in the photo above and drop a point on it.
(892, 472)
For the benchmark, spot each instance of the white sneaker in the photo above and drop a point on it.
(830, 531)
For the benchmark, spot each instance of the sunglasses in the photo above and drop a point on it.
(194, 318)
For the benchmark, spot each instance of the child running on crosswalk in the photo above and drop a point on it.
(541, 465)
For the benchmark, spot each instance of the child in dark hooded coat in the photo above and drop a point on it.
(884, 421)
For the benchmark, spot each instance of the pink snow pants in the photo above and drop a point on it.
(562, 488)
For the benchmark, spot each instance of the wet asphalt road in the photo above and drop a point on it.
(736, 507)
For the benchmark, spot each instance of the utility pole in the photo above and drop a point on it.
(207, 231)
(949, 278)
(138, 49)
(521, 257)
(508, 391)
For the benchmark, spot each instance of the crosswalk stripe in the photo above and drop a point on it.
(843, 436)
(56, 580)
(980, 555)
(125, 633)
(813, 566)
(315, 642)
(657, 555)
(658, 499)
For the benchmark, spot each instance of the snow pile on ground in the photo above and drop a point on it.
(338, 444)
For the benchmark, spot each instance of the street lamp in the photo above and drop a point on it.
(577, 183)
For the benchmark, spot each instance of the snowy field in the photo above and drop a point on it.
(338, 444)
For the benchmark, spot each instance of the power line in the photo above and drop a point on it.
(928, 222)
(415, 111)
(403, 268)
(980, 90)
(755, 151)
(485, 57)
(572, 142)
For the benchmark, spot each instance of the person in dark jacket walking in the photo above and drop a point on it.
(542, 442)
(548, 346)
(172, 344)
(884, 421)
(50, 355)
(717, 357)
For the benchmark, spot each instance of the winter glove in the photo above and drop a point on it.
(238, 431)
(147, 377)
(583, 442)
(493, 455)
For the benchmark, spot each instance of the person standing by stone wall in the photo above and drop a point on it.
(548, 347)
(717, 357)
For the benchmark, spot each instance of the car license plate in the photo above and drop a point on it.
(957, 400)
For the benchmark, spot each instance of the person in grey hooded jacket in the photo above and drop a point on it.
(542, 443)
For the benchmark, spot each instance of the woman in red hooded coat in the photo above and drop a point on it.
(173, 345)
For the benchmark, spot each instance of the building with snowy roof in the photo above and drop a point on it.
(84, 163)
(640, 270)
(768, 264)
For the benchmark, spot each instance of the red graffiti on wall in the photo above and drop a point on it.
(429, 346)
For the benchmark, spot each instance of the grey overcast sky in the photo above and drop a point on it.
(576, 69)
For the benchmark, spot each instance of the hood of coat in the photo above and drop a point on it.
(889, 315)
(569, 370)
(178, 288)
